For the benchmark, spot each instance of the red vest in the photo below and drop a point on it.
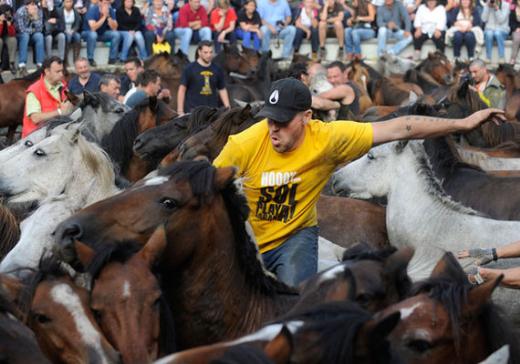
(47, 103)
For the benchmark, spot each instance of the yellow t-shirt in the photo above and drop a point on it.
(282, 188)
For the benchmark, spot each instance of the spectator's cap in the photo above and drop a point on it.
(286, 98)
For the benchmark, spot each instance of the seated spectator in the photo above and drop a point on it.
(430, 23)
(148, 84)
(84, 79)
(110, 85)
(359, 27)
(331, 21)
(129, 24)
(82, 6)
(514, 21)
(393, 23)
(276, 21)
(465, 28)
(133, 67)
(100, 24)
(249, 24)
(192, 25)
(496, 17)
(222, 21)
(159, 26)
(70, 17)
(29, 28)
(307, 27)
(490, 89)
(53, 28)
(8, 34)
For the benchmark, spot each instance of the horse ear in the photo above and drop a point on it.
(223, 177)
(84, 253)
(280, 349)
(246, 110)
(448, 267)
(397, 263)
(154, 246)
(478, 296)
(374, 332)
(11, 285)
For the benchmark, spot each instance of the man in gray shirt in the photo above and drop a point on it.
(393, 22)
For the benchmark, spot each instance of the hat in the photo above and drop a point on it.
(286, 98)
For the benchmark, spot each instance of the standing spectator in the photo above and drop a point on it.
(464, 28)
(307, 27)
(496, 17)
(331, 19)
(129, 23)
(46, 98)
(514, 21)
(133, 67)
(393, 23)
(54, 29)
(8, 34)
(159, 26)
(276, 21)
(70, 17)
(201, 81)
(222, 21)
(84, 79)
(29, 27)
(100, 24)
(110, 85)
(148, 85)
(359, 27)
(430, 23)
(192, 25)
(249, 24)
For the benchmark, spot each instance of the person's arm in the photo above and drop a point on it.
(371, 14)
(324, 12)
(320, 103)
(485, 12)
(96, 24)
(224, 97)
(34, 112)
(419, 127)
(112, 22)
(502, 14)
(181, 96)
(405, 17)
(441, 20)
(379, 18)
(511, 276)
(343, 93)
(418, 18)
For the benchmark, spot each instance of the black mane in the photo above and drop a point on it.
(363, 251)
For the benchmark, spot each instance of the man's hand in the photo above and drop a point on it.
(66, 107)
(406, 34)
(437, 34)
(52, 20)
(484, 255)
(164, 94)
(221, 37)
(479, 117)
(418, 33)
(272, 29)
(307, 34)
(391, 25)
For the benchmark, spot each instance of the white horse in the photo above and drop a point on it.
(64, 173)
(419, 213)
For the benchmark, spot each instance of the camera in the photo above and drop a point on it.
(467, 79)
(280, 24)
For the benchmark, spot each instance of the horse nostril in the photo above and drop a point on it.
(71, 232)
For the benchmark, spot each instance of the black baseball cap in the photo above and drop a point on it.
(286, 98)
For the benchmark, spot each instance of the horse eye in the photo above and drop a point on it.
(169, 203)
(40, 153)
(97, 314)
(419, 345)
(28, 143)
(119, 110)
(41, 319)
(370, 156)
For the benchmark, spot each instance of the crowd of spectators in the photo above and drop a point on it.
(145, 27)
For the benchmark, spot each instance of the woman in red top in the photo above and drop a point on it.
(8, 34)
(222, 21)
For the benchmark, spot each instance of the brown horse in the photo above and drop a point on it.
(435, 69)
(447, 321)
(9, 231)
(232, 60)
(360, 76)
(509, 77)
(119, 143)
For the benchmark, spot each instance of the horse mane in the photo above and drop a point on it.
(224, 125)
(9, 231)
(7, 306)
(200, 175)
(363, 251)
(53, 123)
(466, 99)
(201, 117)
(31, 76)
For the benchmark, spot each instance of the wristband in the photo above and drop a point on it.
(59, 111)
(494, 252)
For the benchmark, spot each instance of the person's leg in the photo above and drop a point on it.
(91, 38)
(127, 39)
(322, 31)
(501, 38)
(488, 40)
(11, 49)
(471, 42)
(458, 40)
(349, 41)
(266, 39)
(217, 44)
(402, 42)
(48, 45)
(149, 38)
(439, 42)
(364, 34)
(287, 35)
(382, 35)
(315, 40)
(60, 40)
(231, 37)
(39, 47)
(184, 34)
(114, 37)
(340, 35)
(141, 47)
(170, 38)
(205, 33)
(23, 44)
(257, 42)
(296, 259)
(515, 46)
(298, 38)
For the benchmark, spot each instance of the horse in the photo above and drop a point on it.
(359, 75)
(445, 319)
(390, 64)
(512, 108)
(435, 69)
(56, 309)
(170, 69)
(502, 158)
(9, 231)
(231, 60)
(508, 77)
(119, 143)
(255, 87)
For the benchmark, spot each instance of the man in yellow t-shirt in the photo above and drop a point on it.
(286, 160)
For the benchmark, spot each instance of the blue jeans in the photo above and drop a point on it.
(128, 40)
(500, 36)
(188, 35)
(230, 37)
(72, 38)
(111, 36)
(286, 34)
(464, 38)
(149, 39)
(23, 45)
(300, 36)
(385, 34)
(249, 39)
(296, 259)
(353, 38)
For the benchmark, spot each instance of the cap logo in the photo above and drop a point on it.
(273, 99)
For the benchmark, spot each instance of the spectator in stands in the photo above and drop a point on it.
(276, 21)
(465, 28)
(192, 25)
(496, 17)
(514, 22)
(359, 27)
(331, 21)
(100, 24)
(133, 67)
(159, 25)
(222, 21)
(84, 79)
(490, 89)
(202, 82)
(29, 28)
(307, 23)
(110, 85)
(82, 6)
(393, 23)
(8, 34)
(148, 84)
(129, 24)
(71, 19)
(249, 24)
(430, 23)
(411, 7)
(53, 28)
